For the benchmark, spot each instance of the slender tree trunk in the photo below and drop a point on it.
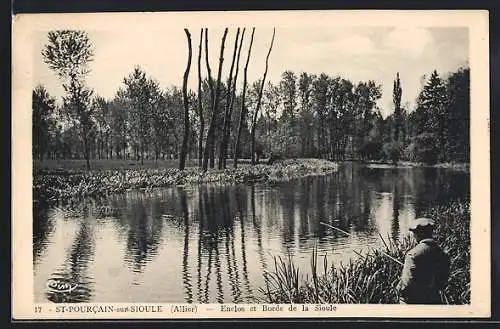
(209, 147)
(212, 150)
(254, 121)
(243, 109)
(185, 140)
(212, 99)
(233, 97)
(86, 151)
(228, 104)
(41, 154)
(200, 106)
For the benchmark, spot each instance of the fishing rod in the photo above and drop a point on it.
(349, 234)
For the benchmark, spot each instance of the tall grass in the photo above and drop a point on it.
(372, 278)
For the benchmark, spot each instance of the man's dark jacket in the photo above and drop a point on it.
(424, 274)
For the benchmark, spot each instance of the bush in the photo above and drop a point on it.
(274, 157)
(423, 148)
(370, 150)
(393, 151)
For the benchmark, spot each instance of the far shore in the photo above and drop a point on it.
(461, 166)
(105, 164)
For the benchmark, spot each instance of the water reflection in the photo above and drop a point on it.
(144, 232)
(212, 243)
(43, 227)
(186, 273)
(75, 268)
(396, 197)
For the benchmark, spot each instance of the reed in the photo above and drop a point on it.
(372, 278)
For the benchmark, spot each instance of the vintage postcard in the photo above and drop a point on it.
(251, 165)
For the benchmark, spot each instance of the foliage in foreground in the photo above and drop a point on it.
(56, 185)
(372, 278)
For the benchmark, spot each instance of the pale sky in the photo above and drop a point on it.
(357, 53)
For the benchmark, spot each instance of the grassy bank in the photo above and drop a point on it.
(61, 184)
(372, 278)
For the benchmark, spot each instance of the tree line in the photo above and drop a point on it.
(302, 115)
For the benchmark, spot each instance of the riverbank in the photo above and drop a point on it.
(456, 166)
(373, 277)
(52, 185)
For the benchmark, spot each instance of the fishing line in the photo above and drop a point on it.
(349, 234)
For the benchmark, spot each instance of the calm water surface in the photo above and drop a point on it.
(212, 243)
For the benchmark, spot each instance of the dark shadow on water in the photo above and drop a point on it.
(43, 227)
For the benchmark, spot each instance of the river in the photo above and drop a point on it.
(212, 243)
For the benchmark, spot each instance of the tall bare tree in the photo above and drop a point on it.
(254, 121)
(227, 127)
(212, 98)
(243, 108)
(228, 103)
(210, 144)
(182, 158)
(200, 105)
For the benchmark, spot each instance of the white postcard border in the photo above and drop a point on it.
(22, 265)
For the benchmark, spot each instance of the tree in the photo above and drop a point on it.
(102, 116)
(366, 96)
(43, 106)
(254, 121)
(160, 121)
(68, 53)
(200, 105)
(430, 112)
(397, 92)
(175, 106)
(289, 128)
(229, 104)
(139, 94)
(120, 109)
(430, 104)
(288, 89)
(306, 113)
(243, 108)
(210, 143)
(182, 158)
(393, 151)
(423, 148)
(458, 115)
(320, 101)
(343, 117)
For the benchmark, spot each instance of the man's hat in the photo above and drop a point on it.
(421, 222)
